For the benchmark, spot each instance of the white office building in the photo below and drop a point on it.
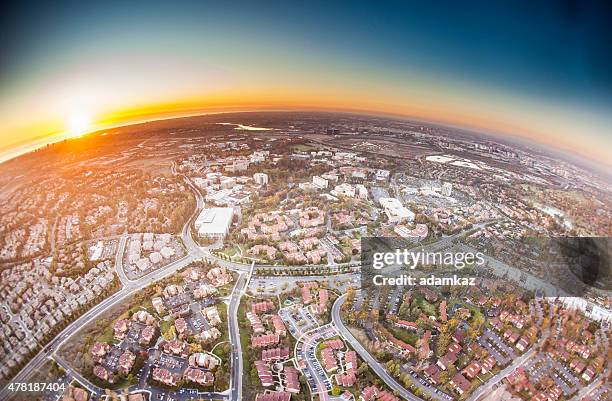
(362, 191)
(320, 182)
(395, 211)
(214, 222)
(345, 189)
(261, 178)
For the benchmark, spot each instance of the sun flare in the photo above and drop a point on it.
(79, 124)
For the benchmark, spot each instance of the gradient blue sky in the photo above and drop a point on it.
(531, 70)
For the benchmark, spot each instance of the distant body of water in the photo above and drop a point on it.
(247, 127)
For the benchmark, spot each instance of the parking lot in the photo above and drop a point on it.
(501, 351)
(544, 366)
(317, 378)
(298, 320)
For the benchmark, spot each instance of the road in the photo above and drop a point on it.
(119, 260)
(520, 361)
(120, 296)
(365, 355)
(78, 377)
(585, 391)
(234, 332)
(129, 287)
(305, 349)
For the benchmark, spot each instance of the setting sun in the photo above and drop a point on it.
(79, 124)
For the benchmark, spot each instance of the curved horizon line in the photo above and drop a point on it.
(43, 140)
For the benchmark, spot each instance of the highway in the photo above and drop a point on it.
(365, 355)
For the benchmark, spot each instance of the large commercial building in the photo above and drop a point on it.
(214, 222)
(395, 211)
(319, 182)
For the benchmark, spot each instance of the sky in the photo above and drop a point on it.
(521, 69)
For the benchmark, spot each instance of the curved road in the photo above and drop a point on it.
(365, 355)
(194, 251)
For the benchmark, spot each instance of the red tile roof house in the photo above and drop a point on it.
(306, 295)
(334, 344)
(429, 295)
(460, 383)
(577, 366)
(274, 396)
(279, 325)
(552, 394)
(164, 376)
(121, 327)
(219, 276)
(497, 324)
(323, 297)
(262, 307)
(459, 335)
(182, 328)
(522, 344)
(447, 360)
(472, 370)
(264, 373)
(454, 348)
(146, 336)
(346, 379)
(126, 362)
(101, 373)
(328, 360)
(404, 347)
(511, 335)
(372, 393)
(320, 307)
(265, 340)
(443, 316)
(274, 354)
(199, 376)
(580, 349)
(424, 350)
(433, 373)
(75, 394)
(517, 378)
(369, 393)
(176, 347)
(98, 351)
(405, 324)
(350, 360)
(488, 364)
(387, 396)
(256, 323)
(292, 381)
(203, 360)
(589, 373)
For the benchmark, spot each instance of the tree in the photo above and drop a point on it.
(363, 368)
(336, 391)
